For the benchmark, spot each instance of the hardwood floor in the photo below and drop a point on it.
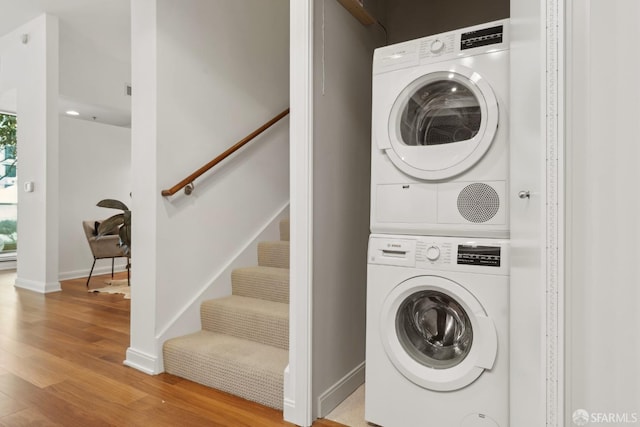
(61, 365)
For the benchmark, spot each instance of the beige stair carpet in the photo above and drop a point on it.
(241, 367)
(268, 283)
(262, 321)
(273, 254)
(285, 230)
(243, 346)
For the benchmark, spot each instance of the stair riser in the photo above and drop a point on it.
(251, 371)
(270, 330)
(285, 230)
(273, 254)
(221, 378)
(261, 285)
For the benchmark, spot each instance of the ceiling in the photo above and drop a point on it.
(105, 24)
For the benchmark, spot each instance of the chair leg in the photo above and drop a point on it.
(128, 272)
(113, 260)
(91, 272)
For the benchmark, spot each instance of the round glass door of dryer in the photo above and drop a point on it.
(442, 123)
(442, 111)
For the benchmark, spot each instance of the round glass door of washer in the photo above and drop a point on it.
(434, 329)
(442, 123)
(436, 333)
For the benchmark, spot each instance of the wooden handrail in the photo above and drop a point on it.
(188, 180)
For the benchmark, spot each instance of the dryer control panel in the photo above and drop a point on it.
(452, 45)
(479, 255)
(490, 256)
(481, 37)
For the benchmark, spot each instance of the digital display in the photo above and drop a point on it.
(483, 37)
(479, 255)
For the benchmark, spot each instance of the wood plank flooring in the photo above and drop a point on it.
(61, 365)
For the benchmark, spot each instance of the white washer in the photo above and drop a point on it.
(440, 137)
(437, 332)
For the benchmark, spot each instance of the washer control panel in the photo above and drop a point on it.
(433, 252)
(440, 253)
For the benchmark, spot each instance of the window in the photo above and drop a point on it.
(8, 189)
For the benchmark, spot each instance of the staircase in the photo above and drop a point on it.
(243, 347)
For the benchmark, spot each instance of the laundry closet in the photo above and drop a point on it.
(571, 200)
(341, 166)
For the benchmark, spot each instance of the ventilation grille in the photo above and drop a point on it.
(478, 202)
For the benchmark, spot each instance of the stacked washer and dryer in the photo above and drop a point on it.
(438, 259)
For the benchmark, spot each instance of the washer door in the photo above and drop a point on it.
(442, 123)
(437, 334)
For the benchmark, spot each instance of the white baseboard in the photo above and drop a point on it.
(338, 392)
(289, 403)
(289, 410)
(36, 286)
(142, 362)
(8, 265)
(98, 270)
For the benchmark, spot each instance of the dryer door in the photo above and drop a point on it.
(442, 123)
(437, 334)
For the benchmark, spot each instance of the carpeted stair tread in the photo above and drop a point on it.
(285, 229)
(241, 367)
(273, 254)
(242, 348)
(268, 283)
(262, 321)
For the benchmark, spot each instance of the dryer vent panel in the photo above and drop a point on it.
(478, 202)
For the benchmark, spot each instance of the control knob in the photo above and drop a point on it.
(437, 46)
(433, 253)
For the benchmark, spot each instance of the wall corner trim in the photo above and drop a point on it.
(554, 315)
(298, 388)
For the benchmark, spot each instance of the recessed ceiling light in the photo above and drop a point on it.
(73, 113)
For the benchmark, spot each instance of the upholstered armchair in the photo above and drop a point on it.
(103, 247)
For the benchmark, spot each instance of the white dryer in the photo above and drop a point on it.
(437, 351)
(440, 137)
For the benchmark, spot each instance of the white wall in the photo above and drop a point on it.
(603, 334)
(88, 74)
(95, 164)
(527, 152)
(206, 74)
(95, 158)
(32, 69)
(343, 51)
